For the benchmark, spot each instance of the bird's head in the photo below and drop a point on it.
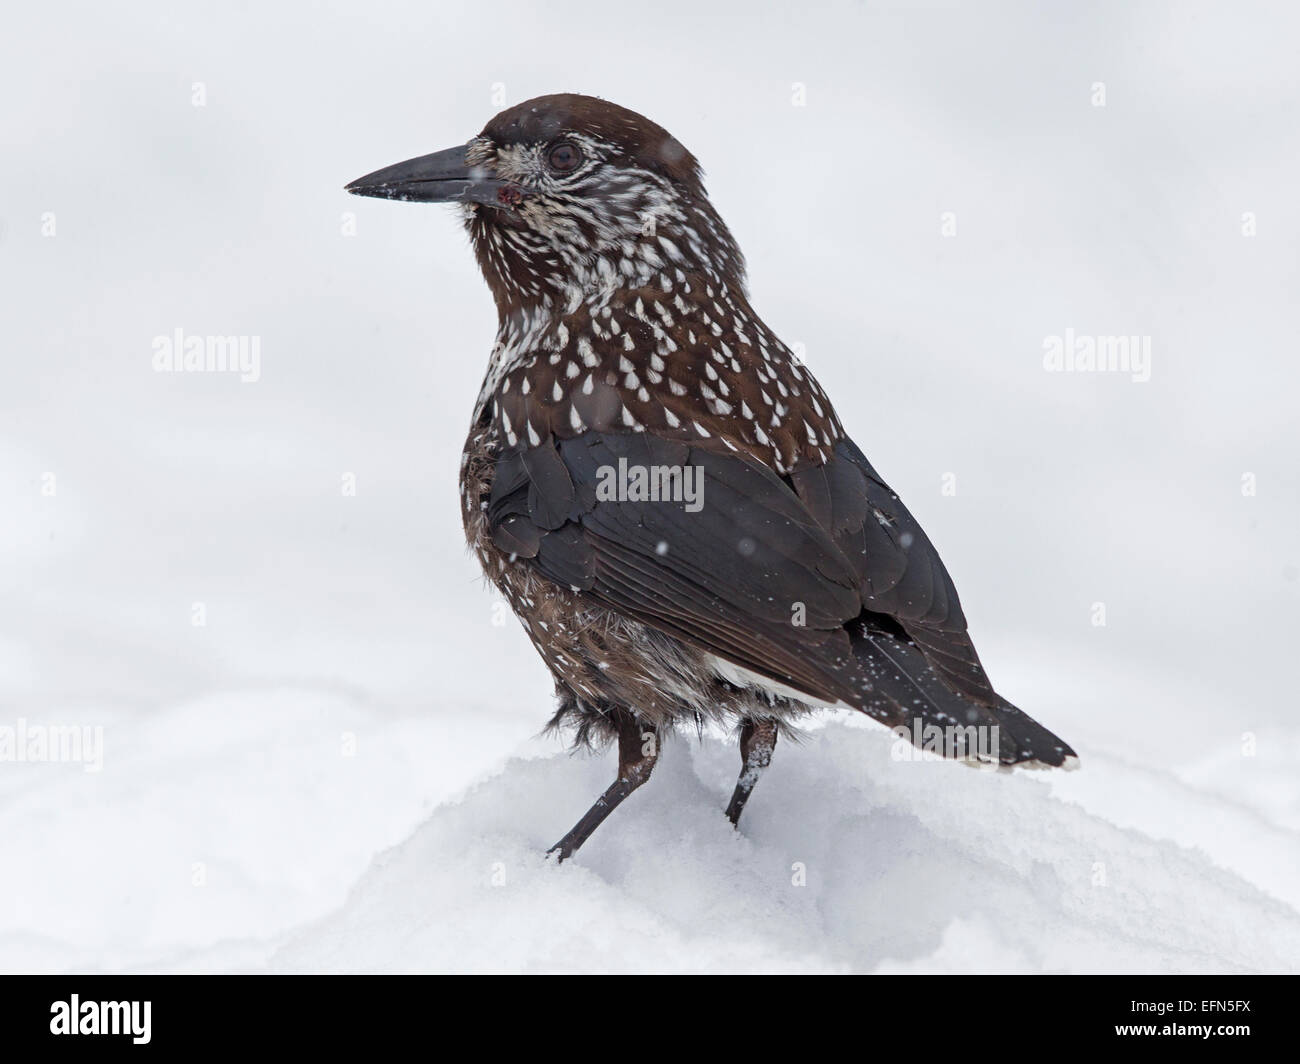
(570, 196)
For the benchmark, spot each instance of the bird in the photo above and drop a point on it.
(659, 486)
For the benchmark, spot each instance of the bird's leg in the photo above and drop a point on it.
(638, 750)
(757, 741)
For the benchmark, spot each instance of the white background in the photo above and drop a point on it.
(227, 817)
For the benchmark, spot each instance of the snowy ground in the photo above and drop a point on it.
(850, 862)
(223, 846)
(319, 745)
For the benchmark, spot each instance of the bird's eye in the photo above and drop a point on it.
(563, 157)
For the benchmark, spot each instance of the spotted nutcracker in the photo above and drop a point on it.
(660, 488)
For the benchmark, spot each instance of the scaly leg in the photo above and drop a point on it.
(757, 741)
(638, 749)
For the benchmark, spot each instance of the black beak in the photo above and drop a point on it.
(443, 177)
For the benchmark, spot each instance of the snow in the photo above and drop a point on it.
(320, 731)
(294, 831)
(848, 862)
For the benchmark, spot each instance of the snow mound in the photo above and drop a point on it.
(847, 861)
(216, 824)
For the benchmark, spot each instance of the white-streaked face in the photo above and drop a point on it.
(577, 211)
(577, 191)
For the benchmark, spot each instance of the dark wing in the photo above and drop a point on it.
(749, 575)
(905, 587)
(910, 639)
(823, 582)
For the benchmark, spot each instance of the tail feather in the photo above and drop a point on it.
(906, 690)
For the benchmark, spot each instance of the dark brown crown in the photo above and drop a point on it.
(641, 142)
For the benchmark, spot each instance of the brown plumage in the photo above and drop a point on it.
(629, 366)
